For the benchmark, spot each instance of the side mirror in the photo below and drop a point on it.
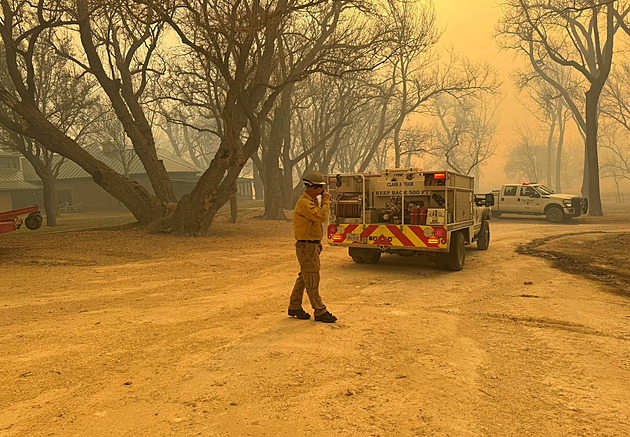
(489, 199)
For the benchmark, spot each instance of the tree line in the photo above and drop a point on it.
(278, 86)
(571, 48)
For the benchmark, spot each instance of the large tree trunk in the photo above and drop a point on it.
(196, 211)
(41, 161)
(403, 112)
(552, 130)
(561, 129)
(275, 196)
(272, 176)
(591, 161)
(288, 164)
(259, 187)
(51, 199)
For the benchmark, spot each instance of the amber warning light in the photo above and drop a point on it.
(439, 176)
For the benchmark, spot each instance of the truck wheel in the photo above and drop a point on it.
(371, 256)
(483, 238)
(360, 255)
(456, 256)
(33, 221)
(356, 254)
(357, 259)
(554, 214)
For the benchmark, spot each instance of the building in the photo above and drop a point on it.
(20, 186)
(15, 191)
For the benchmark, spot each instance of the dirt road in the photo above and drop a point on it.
(121, 333)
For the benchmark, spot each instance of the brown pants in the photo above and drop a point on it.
(308, 278)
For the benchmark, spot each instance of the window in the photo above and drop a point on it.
(544, 190)
(510, 190)
(527, 191)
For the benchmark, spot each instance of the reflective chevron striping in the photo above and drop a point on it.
(390, 235)
(400, 236)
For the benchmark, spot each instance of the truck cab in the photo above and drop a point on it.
(537, 199)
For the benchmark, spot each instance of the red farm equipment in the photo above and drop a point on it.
(11, 221)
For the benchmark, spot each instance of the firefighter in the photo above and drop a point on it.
(308, 219)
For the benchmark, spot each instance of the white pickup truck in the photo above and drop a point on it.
(531, 198)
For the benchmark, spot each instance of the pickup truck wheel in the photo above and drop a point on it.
(554, 214)
(483, 238)
(456, 256)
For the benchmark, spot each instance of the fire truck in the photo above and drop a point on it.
(11, 220)
(407, 212)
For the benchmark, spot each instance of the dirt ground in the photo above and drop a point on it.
(116, 333)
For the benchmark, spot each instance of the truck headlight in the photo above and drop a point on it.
(567, 203)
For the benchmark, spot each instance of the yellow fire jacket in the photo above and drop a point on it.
(308, 218)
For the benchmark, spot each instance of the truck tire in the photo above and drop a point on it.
(33, 221)
(356, 257)
(361, 255)
(483, 237)
(554, 214)
(371, 256)
(456, 256)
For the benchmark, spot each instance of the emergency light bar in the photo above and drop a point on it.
(439, 176)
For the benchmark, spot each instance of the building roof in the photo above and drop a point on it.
(12, 178)
(70, 170)
(11, 175)
(8, 152)
(17, 185)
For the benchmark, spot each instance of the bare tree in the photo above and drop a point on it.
(464, 132)
(362, 38)
(326, 110)
(70, 103)
(189, 99)
(119, 40)
(578, 35)
(616, 156)
(550, 109)
(527, 158)
(615, 136)
(457, 77)
(414, 34)
(241, 40)
(113, 141)
(22, 29)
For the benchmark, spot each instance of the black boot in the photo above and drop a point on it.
(300, 314)
(326, 318)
